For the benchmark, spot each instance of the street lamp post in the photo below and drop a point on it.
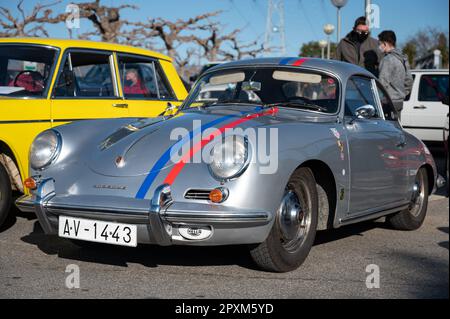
(328, 29)
(339, 4)
(323, 44)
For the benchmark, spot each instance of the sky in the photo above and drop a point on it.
(304, 19)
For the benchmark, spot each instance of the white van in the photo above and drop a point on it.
(424, 114)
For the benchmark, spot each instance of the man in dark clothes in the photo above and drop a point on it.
(359, 48)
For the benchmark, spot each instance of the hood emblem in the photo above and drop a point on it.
(120, 162)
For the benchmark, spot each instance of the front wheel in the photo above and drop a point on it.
(294, 229)
(5, 194)
(413, 217)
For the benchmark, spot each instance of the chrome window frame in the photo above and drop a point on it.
(46, 94)
(374, 92)
(67, 54)
(155, 62)
(276, 67)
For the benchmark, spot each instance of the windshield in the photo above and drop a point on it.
(292, 88)
(25, 70)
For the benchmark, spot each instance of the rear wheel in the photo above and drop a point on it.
(5, 194)
(413, 217)
(294, 229)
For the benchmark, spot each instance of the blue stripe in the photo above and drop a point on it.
(285, 61)
(159, 165)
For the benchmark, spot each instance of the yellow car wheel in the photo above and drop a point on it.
(5, 194)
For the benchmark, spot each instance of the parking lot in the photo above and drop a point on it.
(411, 264)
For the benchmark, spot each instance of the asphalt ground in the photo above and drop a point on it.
(410, 264)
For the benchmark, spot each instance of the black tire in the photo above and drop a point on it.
(413, 217)
(273, 255)
(5, 194)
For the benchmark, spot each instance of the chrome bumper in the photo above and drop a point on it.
(157, 220)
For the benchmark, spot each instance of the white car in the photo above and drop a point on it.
(424, 114)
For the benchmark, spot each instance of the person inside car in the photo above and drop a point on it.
(31, 81)
(133, 84)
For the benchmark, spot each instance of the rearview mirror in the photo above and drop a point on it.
(251, 86)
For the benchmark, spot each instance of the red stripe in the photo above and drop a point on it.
(197, 147)
(299, 62)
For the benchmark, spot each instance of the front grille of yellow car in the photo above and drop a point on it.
(197, 194)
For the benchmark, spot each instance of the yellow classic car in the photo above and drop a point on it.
(49, 82)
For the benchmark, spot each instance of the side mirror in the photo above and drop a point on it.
(445, 100)
(365, 112)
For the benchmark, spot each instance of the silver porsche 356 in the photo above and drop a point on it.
(263, 152)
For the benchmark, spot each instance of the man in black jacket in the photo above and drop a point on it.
(359, 48)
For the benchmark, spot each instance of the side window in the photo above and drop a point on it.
(141, 78)
(359, 93)
(389, 111)
(85, 75)
(433, 88)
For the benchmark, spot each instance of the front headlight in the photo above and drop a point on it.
(45, 149)
(230, 158)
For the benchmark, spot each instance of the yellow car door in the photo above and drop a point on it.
(145, 84)
(86, 88)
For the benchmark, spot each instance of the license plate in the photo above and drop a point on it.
(98, 231)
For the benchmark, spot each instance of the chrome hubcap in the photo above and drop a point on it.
(293, 221)
(417, 197)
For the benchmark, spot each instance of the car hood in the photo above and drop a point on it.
(134, 149)
(147, 144)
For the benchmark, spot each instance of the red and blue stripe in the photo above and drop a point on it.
(293, 61)
(174, 149)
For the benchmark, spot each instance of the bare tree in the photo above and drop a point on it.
(173, 34)
(212, 44)
(28, 25)
(106, 20)
(240, 51)
(425, 41)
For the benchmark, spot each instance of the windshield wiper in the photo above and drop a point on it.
(229, 102)
(299, 104)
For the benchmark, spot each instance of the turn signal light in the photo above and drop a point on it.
(30, 183)
(218, 195)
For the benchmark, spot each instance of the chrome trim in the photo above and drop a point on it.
(55, 155)
(161, 199)
(370, 216)
(25, 204)
(66, 54)
(113, 75)
(244, 167)
(340, 90)
(45, 191)
(97, 214)
(216, 218)
(156, 65)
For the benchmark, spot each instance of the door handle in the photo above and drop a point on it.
(422, 107)
(121, 105)
(401, 144)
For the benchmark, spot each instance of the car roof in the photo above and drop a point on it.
(339, 68)
(84, 44)
(429, 71)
